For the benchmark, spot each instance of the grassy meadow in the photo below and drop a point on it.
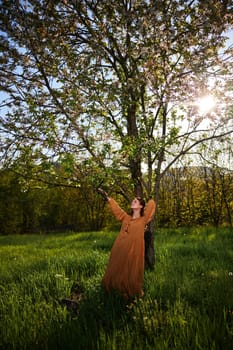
(188, 301)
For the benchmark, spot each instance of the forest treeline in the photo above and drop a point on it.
(189, 196)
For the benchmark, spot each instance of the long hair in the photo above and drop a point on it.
(142, 202)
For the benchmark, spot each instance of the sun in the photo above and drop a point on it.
(206, 104)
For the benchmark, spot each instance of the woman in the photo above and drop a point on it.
(125, 269)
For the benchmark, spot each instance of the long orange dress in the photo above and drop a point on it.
(125, 269)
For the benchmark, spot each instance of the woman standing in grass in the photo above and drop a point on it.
(125, 269)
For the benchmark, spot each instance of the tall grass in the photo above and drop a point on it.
(188, 301)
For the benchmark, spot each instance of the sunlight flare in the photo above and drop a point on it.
(206, 104)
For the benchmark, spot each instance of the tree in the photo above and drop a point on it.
(112, 83)
(217, 165)
(10, 207)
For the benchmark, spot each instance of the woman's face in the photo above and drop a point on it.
(136, 204)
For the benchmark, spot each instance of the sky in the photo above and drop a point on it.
(230, 40)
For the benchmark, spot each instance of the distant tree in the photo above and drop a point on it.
(195, 196)
(11, 216)
(226, 181)
(218, 186)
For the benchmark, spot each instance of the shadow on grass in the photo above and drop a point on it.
(90, 318)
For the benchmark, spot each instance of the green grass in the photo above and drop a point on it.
(188, 301)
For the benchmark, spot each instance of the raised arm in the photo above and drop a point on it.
(116, 210)
(149, 210)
